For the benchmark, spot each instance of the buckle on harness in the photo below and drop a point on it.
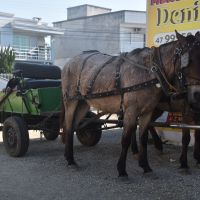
(154, 69)
(178, 51)
(180, 75)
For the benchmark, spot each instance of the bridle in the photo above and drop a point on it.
(182, 54)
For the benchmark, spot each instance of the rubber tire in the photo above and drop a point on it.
(52, 129)
(50, 135)
(21, 141)
(90, 134)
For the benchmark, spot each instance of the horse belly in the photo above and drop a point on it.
(108, 104)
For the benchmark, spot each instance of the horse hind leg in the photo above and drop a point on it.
(74, 113)
(68, 131)
(157, 141)
(134, 146)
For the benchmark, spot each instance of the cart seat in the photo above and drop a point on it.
(36, 71)
(37, 83)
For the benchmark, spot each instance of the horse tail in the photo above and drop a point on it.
(62, 120)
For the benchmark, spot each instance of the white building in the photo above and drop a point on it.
(90, 27)
(30, 38)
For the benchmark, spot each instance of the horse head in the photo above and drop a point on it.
(188, 52)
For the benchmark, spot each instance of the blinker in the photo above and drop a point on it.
(184, 60)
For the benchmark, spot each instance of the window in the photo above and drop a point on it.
(21, 41)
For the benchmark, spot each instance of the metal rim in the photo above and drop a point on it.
(11, 137)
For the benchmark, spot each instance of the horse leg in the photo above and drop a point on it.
(157, 141)
(129, 126)
(73, 115)
(185, 143)
(69, 131)
(134, 146)
(143, 133)
(197, 146)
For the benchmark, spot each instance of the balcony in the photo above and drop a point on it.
(33, 54)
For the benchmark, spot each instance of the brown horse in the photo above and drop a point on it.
(88, 79)
(189, 116)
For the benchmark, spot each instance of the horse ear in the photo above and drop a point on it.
(197, 35)
(180, 37)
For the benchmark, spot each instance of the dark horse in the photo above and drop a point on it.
(189, 116)
(127, 83)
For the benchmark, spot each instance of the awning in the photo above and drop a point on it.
(38, 29)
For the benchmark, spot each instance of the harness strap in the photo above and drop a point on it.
(92, 81)
(115, 92)
(166, 86)
(158, 70)
(117, 74)
(118, 84)
(134, 63)
(82, 67)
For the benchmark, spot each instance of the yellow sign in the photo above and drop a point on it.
(166, 16)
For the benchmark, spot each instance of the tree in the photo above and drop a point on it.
(7, 58)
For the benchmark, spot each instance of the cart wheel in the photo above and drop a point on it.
(90, 134)
(51, 135)
(15, 136)
(52, 129)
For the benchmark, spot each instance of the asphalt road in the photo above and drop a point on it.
(43, 173)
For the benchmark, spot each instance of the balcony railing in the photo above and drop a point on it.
(39, 53)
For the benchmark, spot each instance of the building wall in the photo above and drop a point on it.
(110, 33)
(27, 37)
(84, 11)
(136, 17)
(6, 36)
(131, 39)
(5, 29)
(98, 32)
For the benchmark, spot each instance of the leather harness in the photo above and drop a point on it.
(157, 68)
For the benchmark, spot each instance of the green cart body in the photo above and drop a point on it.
(31, 100)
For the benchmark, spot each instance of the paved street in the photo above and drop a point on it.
(44, 174)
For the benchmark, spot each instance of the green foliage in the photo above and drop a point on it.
(7, 58)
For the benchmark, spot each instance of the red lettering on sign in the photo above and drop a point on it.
(157, 2)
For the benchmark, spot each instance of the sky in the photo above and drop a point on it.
(56, 10)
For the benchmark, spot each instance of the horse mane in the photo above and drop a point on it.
(190, 38)
(138, 50)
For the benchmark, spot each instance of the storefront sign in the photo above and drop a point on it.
(166, 16)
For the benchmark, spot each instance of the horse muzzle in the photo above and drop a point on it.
(194, 96)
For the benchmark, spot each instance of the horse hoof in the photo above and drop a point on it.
(73, 167)
(150, 175)
(147, 170)
(124, 179)
(136, 156)
(198, 165)
(159, 152)
(184, 171)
